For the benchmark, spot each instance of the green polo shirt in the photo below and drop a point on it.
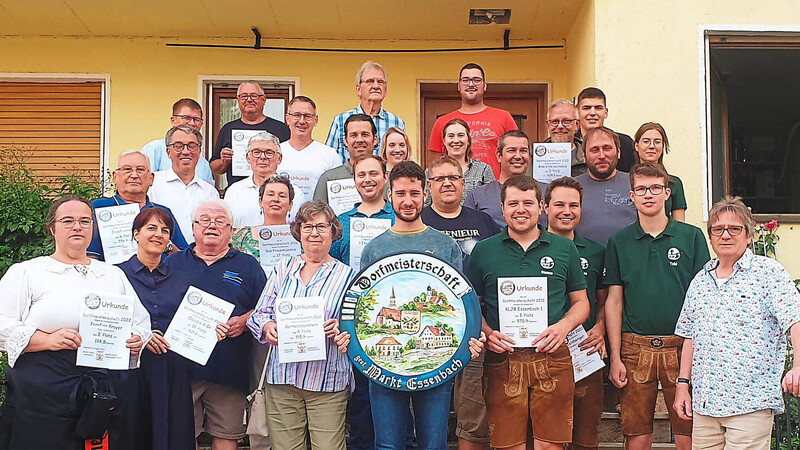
(551, 256)
(677, 198)
(593, 256)
(654, 273)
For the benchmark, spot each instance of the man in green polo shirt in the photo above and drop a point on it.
(649, 266)
(522, 382)
(562, 203)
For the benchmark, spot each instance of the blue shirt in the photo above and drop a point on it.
(737, 330)
(341, 248)
(159, 291)
(238, 279)
(383, 121)
(156, 151)
(95, 249)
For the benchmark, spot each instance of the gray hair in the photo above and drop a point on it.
(735, 206)
(213, 202)
(133, 152)
(370, 65)
(265, 136)
(311, 209)
(561, 102)
(256, 83)
(185, 129)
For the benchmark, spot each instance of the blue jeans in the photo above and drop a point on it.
(390, 416)
(362, 435)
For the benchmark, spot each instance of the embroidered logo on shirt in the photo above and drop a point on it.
(232, 277)
(584, 263)
(673, 254)
(546, 262)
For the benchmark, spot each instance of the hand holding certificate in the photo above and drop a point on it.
(551, 160)
(522, 304)
(239, 144)
(105, 326)
(115, 225)
(583, 364)
(301, 332)
(192, 332)
(342, 195)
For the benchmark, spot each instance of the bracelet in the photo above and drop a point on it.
(683, 381)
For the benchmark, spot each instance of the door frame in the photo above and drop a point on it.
(438, 86)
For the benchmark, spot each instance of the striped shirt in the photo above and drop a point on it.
(383, 121)
(330, 282)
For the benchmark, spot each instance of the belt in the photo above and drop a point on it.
(653, 341)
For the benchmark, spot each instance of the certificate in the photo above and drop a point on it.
(522, 304)
(193, 331)
(305, 181)
(551, 160)
(275, 242)
(342, 195)
(363, 230)
(301, 330)
(105, 325)
(115, 225)
(583, 364)
(239, 141)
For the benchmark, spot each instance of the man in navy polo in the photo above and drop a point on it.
(133, 178)
(220, 387)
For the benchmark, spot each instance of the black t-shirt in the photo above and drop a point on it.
(469, 227)
(269, 125)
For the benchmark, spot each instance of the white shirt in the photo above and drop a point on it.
(305, 166)
(45, 294)
(168, 190)
(242, 199)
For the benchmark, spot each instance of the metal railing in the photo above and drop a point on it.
(786, 431)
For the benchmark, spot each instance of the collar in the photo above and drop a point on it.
(544, 236)
(138, 266)
(252, 182)
(172, 176)
(745, 262)
(639, 233)
(579, 240)
(382, 113)
(387, 209)
(409, 233)
(53, 265)
(120, 201)
(231, 253)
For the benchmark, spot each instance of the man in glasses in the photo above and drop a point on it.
(187, 112)
(562, 124)
(220, 387)
(371, 87)
(251, 98)
(649, 266)
(607, 204)
(179, 188)
(486, 124)
(132, 179)
(263, 156)
(467, 227)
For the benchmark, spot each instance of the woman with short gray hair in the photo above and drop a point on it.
(307, 399)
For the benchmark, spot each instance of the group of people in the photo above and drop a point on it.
(610, 243)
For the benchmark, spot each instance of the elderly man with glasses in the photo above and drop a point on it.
(220, 387)
(263, 155)
(562, 126)
(371, 88)
(252, 99)
(179, 188)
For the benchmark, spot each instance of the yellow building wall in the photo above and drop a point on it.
(648, 64)
(147, 77)
(581, 50)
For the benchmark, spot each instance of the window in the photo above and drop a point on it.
(222, 107)
(755, 125)
(58, 126)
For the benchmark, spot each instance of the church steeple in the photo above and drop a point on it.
(392, 302)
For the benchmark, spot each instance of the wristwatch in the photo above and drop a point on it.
(683, 381)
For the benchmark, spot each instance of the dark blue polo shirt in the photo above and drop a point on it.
(236, 278)
(160, 291)
(95, 249)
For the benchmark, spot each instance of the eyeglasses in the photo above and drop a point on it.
(565, 122)
(245, 97)
(733, 231)
(297, 116)
(191, 147)
(206, 222)
(474, 80)
(69, 222)
(127, 170)
(257, 154)
(656, 189)
(380, 81)
(320, 227)
(443, 178)
(190, 119)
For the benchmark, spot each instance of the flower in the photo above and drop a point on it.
(771, 225)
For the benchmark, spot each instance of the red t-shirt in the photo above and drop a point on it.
(486, 127)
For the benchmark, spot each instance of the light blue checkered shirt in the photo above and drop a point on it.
(383, 121)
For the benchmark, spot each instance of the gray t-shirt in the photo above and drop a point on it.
(428, 240)
(607, 206)
(486, 198)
